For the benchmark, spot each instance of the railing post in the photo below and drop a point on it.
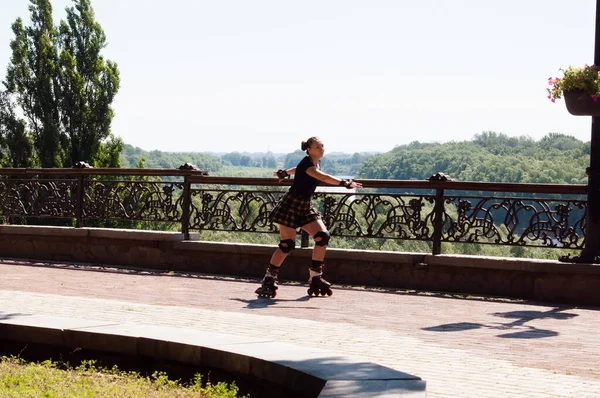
(438, 213)
(303, 239)
(80, 193)
(80, 197)
(186, 202)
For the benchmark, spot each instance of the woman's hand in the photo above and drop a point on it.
(350, 184)
(355, 184)
(281, 174)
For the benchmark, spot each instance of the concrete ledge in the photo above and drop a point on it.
(307, 372)
(332, 253)
(133, 234)
(109, 233)
(224, 247)
(43, 230)
(511, 264)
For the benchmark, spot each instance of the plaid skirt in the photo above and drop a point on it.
(294, 211)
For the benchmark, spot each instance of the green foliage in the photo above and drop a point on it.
(109, 152)
(238, 171)
(32, 77)
(19, 378)
(88, 84)
(250, 159)
(489, 157)
(169, 160)
(575, 78)
(340, 164)
(16, 141)
(64, 88)
(292, 159)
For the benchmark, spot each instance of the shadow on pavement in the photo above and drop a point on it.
(520, 320)
(261, 302)
(5, 316)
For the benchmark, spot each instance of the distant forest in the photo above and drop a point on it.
(489, 157)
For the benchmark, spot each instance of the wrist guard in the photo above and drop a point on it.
(281, 174)
(346, 183)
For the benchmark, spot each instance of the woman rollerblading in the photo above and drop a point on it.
(295, 210)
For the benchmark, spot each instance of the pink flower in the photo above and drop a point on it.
(595, 98)
(585, 66)
(553, 100)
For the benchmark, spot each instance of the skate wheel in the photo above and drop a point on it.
(323, 292)
(274, 294)
(329, 292)
(310, 292)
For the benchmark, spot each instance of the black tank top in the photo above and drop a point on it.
(304, 185)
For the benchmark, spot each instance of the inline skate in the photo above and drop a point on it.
(269, 284)
(317, 284)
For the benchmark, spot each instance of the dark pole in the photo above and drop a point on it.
(80, 198)
(438, 211)
(591, 251)
(592, 236)
(185, 204)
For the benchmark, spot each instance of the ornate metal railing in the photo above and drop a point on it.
(436, 211)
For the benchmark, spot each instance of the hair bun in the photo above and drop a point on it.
(304, 145)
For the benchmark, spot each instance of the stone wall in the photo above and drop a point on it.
(167, 251)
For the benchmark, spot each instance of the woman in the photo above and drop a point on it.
(295, 210)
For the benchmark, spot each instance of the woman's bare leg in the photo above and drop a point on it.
(287, 235)
(269, 284)
(313, 229)
(317, 284)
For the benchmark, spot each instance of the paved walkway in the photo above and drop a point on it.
(462, 346)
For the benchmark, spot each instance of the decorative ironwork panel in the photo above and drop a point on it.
(515, 221)
(38, 198)
(377, 215)
(232, 210)
(133, 200)
(351, 215)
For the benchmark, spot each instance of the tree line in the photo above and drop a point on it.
(488, 157)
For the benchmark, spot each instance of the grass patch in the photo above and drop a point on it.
(19, 378)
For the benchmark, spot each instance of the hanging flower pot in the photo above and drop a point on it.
(580, 87)
(581, 104)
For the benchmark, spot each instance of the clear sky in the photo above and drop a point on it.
(364, 75)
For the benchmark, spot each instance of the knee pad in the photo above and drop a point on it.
(324, 235)
(287, 245)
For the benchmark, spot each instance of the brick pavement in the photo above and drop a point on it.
(462, 346)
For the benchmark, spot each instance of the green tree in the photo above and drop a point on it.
(89, 85)
(32, 78)
(63, 87)
(15, 141)
(292, 159)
